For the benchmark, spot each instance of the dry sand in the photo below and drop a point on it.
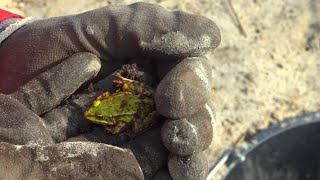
(262, 75)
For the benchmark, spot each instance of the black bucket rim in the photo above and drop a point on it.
(233, 157)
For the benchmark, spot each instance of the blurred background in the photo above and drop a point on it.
(266, 69)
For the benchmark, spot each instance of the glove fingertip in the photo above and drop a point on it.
(185, 89)
(189, 135)
(188, 167)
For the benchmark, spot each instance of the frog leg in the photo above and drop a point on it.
(138, 126)
(118, 127)
(104, 95)
(122, 82)
(123, 79)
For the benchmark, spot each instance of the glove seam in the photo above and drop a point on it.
(13, 27)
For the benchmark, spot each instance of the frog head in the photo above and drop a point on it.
(98, 114)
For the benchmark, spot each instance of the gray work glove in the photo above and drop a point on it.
(60, 54)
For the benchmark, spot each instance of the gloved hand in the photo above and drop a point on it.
(74, 44)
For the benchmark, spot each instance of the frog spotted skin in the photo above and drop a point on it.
(130, 108)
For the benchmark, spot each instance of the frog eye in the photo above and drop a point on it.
(99, 116)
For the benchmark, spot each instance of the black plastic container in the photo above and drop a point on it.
(288, 151)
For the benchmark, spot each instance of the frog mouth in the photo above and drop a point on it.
(93, 119)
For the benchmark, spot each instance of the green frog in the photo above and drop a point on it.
(131, 108)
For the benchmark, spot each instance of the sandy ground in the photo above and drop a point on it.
(262, 75)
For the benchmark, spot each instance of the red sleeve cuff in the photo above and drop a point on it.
(4, 15)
